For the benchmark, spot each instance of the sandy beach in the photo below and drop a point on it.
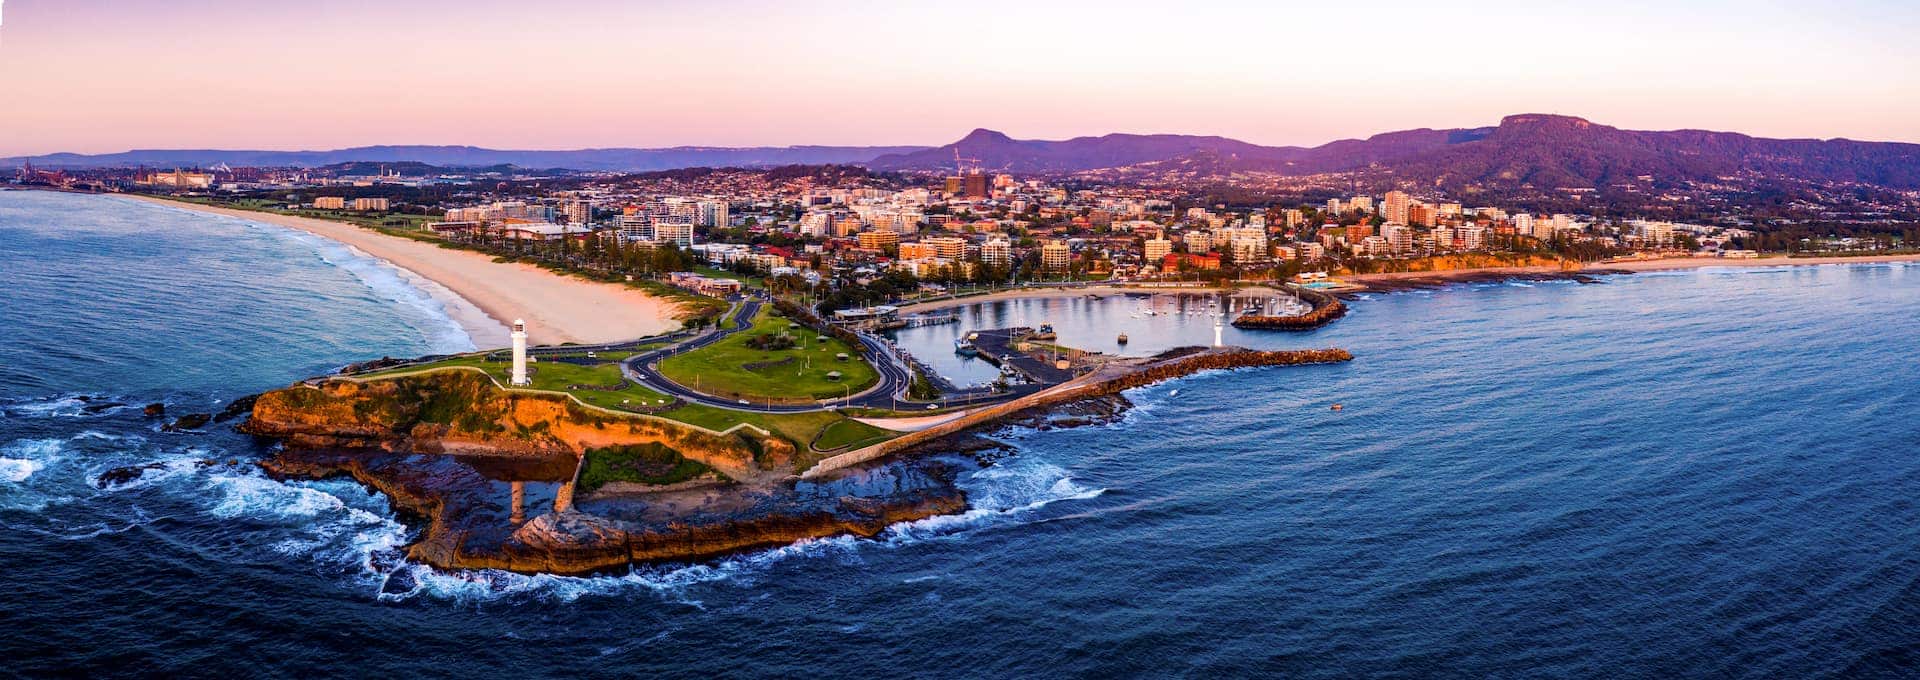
(557, 309)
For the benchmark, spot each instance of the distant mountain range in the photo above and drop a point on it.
(629, 160)
(1542, 151)
(1545, 151)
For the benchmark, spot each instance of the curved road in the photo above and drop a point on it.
(889, 393)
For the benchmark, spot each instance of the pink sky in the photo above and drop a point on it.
(111, 75)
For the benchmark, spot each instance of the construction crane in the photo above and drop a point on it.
(959, 164)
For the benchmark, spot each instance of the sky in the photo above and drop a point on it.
(98, 76)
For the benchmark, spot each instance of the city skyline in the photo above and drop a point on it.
(108, 75)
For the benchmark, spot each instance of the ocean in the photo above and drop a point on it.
(1699, 473)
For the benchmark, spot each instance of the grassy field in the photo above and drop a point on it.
(826, 430)
(554, 376)
(649, 463)
(847, 434)
(732, 368)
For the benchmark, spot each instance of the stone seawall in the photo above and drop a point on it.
(1326, 309)
(1108, 380)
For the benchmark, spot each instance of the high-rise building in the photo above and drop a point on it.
(816, 223)
(976, 185)
(879, 240)
(997, 252)
(915, 251)
(635, 228)
(1395, 208)
(680, 233)
(712, 214)
(579, 212)
(1055, 256)
(1399, 238)
(1473, 237)
(950, 247)
(1156, 249)
(1198, 241)
(1423, 214)
(1656, 233)
(846, 225)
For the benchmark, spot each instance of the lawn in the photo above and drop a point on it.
(826, 430)
(733, 368)
(649, 463)
(554, 376)
(847, 434)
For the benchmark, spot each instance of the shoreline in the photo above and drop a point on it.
(1672, 263)
(1392, 281)
(558, 309)
(1101, 290)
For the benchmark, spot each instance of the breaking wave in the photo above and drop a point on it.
(1000, 495)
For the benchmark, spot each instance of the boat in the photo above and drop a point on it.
(965, 346)
(1337, 407)
(1123, 338)
(1045, 332)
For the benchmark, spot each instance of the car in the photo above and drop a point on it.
(744, 402)
(931, 407)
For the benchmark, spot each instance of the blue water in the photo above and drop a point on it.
(1704, 473)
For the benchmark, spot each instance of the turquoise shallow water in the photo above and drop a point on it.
(1704, 473)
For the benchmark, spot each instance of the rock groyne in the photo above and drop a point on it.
(1110, 379)
(1326, 309)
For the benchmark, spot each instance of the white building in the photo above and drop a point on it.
(1156, 250)
(679, 233)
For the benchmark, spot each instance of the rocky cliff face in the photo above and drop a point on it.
(462, 412)
(471, 520)
(487, 474)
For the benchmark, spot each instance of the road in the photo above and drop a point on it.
(889, 393)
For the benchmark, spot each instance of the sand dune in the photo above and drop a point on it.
(557, 308)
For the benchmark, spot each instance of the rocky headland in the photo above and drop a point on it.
(491, 475)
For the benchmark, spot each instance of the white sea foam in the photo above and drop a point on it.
(20, 461)
(258, 498)
(17, 470)
(62, 406)
(431, 304)
(1000, 495)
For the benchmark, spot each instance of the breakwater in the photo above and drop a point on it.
(1326, 309)
(1110, 379)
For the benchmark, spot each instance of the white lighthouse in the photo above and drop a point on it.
(520, 353)
(1219, 330)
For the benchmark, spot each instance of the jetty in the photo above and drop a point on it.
(1325, 309)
